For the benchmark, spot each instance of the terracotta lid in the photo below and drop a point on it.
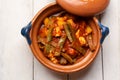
(84, 7)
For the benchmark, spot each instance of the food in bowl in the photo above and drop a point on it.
(64, 38)
(31, 32)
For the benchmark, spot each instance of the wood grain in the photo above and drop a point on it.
(111, 47)
(16, 59)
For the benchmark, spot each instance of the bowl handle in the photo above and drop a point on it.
(104, 31)
(25, 32)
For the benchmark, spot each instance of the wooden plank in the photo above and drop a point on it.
(16, 60)
(111, 46)
(39, 4)
(92, 72)
(41, 72)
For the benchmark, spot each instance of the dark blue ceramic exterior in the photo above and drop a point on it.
(25, 32)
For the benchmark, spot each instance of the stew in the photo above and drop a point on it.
(64, 38)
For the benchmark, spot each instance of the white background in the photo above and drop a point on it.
(18, 63)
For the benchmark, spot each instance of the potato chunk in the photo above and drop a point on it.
(82, 41)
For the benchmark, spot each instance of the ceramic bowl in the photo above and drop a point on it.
(31, 30)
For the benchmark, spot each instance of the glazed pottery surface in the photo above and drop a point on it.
(82, 62)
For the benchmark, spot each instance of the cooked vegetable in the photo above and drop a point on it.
(65, 38)
(67, 57)
(42, 40)
(68, 32)
(88, 30)
(61, 42)
(40, 46)
(82, 41)
(54, 60)
(49, 36)
(71, 22)
(60, 22)
(43, 32)
(90, 42)
(46, 21)
(57, 32)
(57, 53)
(71, 51)
(63, 61)
(77, 47)
(48, 49)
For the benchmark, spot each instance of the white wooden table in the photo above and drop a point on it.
(18, 63)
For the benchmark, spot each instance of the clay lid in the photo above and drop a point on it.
(84, 7)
